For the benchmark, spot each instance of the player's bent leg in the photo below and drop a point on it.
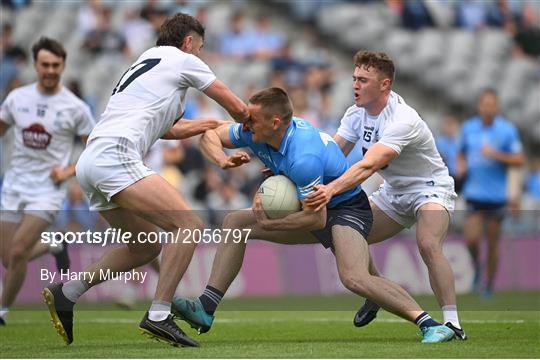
(127, 257)
(472, 231)
(26, 236)
(7, 232)
(155, 200)
(432, 225)
(493, 234)
(227, 264)
(352, 259)
(431, 229)
(352, 262)
(384, 227)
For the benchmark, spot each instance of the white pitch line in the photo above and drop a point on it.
(266, 320)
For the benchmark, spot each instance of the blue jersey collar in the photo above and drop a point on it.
(287, 138)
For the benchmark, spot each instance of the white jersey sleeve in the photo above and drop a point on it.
(84, 121)
(6, 111)
(397, 135)
(348, 129)
(195, 73)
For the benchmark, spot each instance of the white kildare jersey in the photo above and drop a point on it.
(399, 127)
(149, 98)
(45, 129)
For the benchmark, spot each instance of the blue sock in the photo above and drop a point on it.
(210, 299)
(424, 320)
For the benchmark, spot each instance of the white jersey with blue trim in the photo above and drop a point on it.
(149, 98)
(306, 155)
(399, 127)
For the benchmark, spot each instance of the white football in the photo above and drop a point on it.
(278, 197)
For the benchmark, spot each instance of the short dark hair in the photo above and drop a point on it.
(488, 91)
(45, 43)
(377, 60)
(176, 28)
(274, 101)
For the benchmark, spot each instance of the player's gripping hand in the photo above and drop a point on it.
(320, 197)
(267, 172)
(260, 214)
(237, 159)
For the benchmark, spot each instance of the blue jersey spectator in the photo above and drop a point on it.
(486, 179)
(489, 145)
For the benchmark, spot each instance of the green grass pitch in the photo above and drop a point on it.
(507, 326)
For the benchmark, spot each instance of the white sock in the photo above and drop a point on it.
(450, 315)
(3, 312)
(73, 289)
(159, 310)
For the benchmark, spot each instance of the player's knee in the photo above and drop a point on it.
(18, 254)
(429, 249)
(231, 221)
(355, 283)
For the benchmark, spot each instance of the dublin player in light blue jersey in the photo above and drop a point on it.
(292, 147)
(489, 145)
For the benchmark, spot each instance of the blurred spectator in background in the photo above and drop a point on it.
(237, 43)
(527, 37)
(301, 106)
(477, 14)
(88, 17)
(12, 60)
(415, 15)
(267, 41)
(104, 40)
(286, 69)
(155, 13)
(532, 183)
(138, 32)
(448, 146)
(225, 199)
(74, 85)
(489, 144)
(16, 4)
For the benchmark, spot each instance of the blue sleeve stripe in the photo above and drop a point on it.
(310, 185)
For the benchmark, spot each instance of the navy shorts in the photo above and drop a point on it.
(354, 213)
(490, 210)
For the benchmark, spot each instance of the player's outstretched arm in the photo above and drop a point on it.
(212, 144)
(219, 92)
(377, 157)
(307, 219)
(184, 128)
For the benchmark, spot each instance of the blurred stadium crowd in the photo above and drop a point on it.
(446, 52)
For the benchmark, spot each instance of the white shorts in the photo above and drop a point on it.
(402, 208)
(14, 204)
(108, 166)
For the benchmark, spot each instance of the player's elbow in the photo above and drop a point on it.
(519, 160)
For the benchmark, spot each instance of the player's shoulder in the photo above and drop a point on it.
(470, 123)
(504, 124)
(399, 110)
(69, 99)
(26, 92)
(353, 112)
